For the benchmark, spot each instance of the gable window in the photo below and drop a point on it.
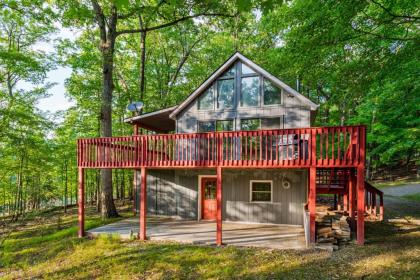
(225, 93)
(250, 91)
(271, 93)
(250, 124)
(207, 126)
(226, 125)
(205, 101)
(261, 191)
(246, 70)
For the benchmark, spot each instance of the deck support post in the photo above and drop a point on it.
(352, 192)
(312, 203)
(143, 207)
(81, 202)
(346, 201)
(360, 205)
(219, 206)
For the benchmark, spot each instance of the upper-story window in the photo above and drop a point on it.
(210, 126)
(205, 101)
(250, 87)
(243, 83)
(226, 89)
(207, 126)
(250, 124)
(271, 93)
(225, 125)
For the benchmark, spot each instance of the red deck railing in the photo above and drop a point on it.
(324, 147)
(371, 205)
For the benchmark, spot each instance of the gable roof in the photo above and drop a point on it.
(238, 56)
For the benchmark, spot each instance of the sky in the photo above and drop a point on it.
(56, 100)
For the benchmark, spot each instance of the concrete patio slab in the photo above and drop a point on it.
(204, 232)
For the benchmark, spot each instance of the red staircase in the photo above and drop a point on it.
(336, 181)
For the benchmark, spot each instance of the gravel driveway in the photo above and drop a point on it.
(402, 190)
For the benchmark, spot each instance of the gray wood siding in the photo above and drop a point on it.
(287, 205)
(170, 193)
(175, 193)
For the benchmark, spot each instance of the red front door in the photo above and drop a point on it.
(208, 198)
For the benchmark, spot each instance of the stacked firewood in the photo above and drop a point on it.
(332, 228)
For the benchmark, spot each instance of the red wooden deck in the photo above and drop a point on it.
(334, 156)
(294, 148)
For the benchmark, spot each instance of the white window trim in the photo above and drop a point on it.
(261, 181)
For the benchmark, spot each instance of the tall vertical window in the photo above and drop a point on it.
(225, 93)
(226, 125)
(271, 93)
(207, 126)
(250, 124)
(205, 101)
(250, 89)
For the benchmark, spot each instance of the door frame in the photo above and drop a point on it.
(199, 202)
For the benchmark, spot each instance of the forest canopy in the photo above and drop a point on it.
(358, 59)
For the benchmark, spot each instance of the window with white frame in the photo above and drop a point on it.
(261, 191)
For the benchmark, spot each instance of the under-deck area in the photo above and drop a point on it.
(204, 232)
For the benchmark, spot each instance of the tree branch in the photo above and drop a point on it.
(389, 12)
(171, 23)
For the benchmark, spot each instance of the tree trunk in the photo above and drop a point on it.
(65, 186)
(108, 33)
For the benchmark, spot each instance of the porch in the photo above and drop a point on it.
(204, 232)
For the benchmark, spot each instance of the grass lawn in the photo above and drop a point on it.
(413, 197)
(47, 247)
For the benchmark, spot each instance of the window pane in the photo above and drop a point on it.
(224, 125)
(206, 126)
(270, 123)
(272, 94)
(229, 73)
(225, 90)
(261, 186)
(205, 101)
(246, 70)
(250, 124)
(261, 196)
(249, 91)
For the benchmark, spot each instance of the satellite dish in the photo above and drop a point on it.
(135, 106)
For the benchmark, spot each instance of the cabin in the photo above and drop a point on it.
(240, 148)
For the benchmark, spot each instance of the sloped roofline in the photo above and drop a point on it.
(255, 67)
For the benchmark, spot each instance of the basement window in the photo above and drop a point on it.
(261, 191)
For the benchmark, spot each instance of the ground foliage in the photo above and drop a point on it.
(46, 246)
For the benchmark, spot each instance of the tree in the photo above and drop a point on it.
(106, 17)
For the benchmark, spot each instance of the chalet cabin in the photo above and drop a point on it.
(240, 148)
